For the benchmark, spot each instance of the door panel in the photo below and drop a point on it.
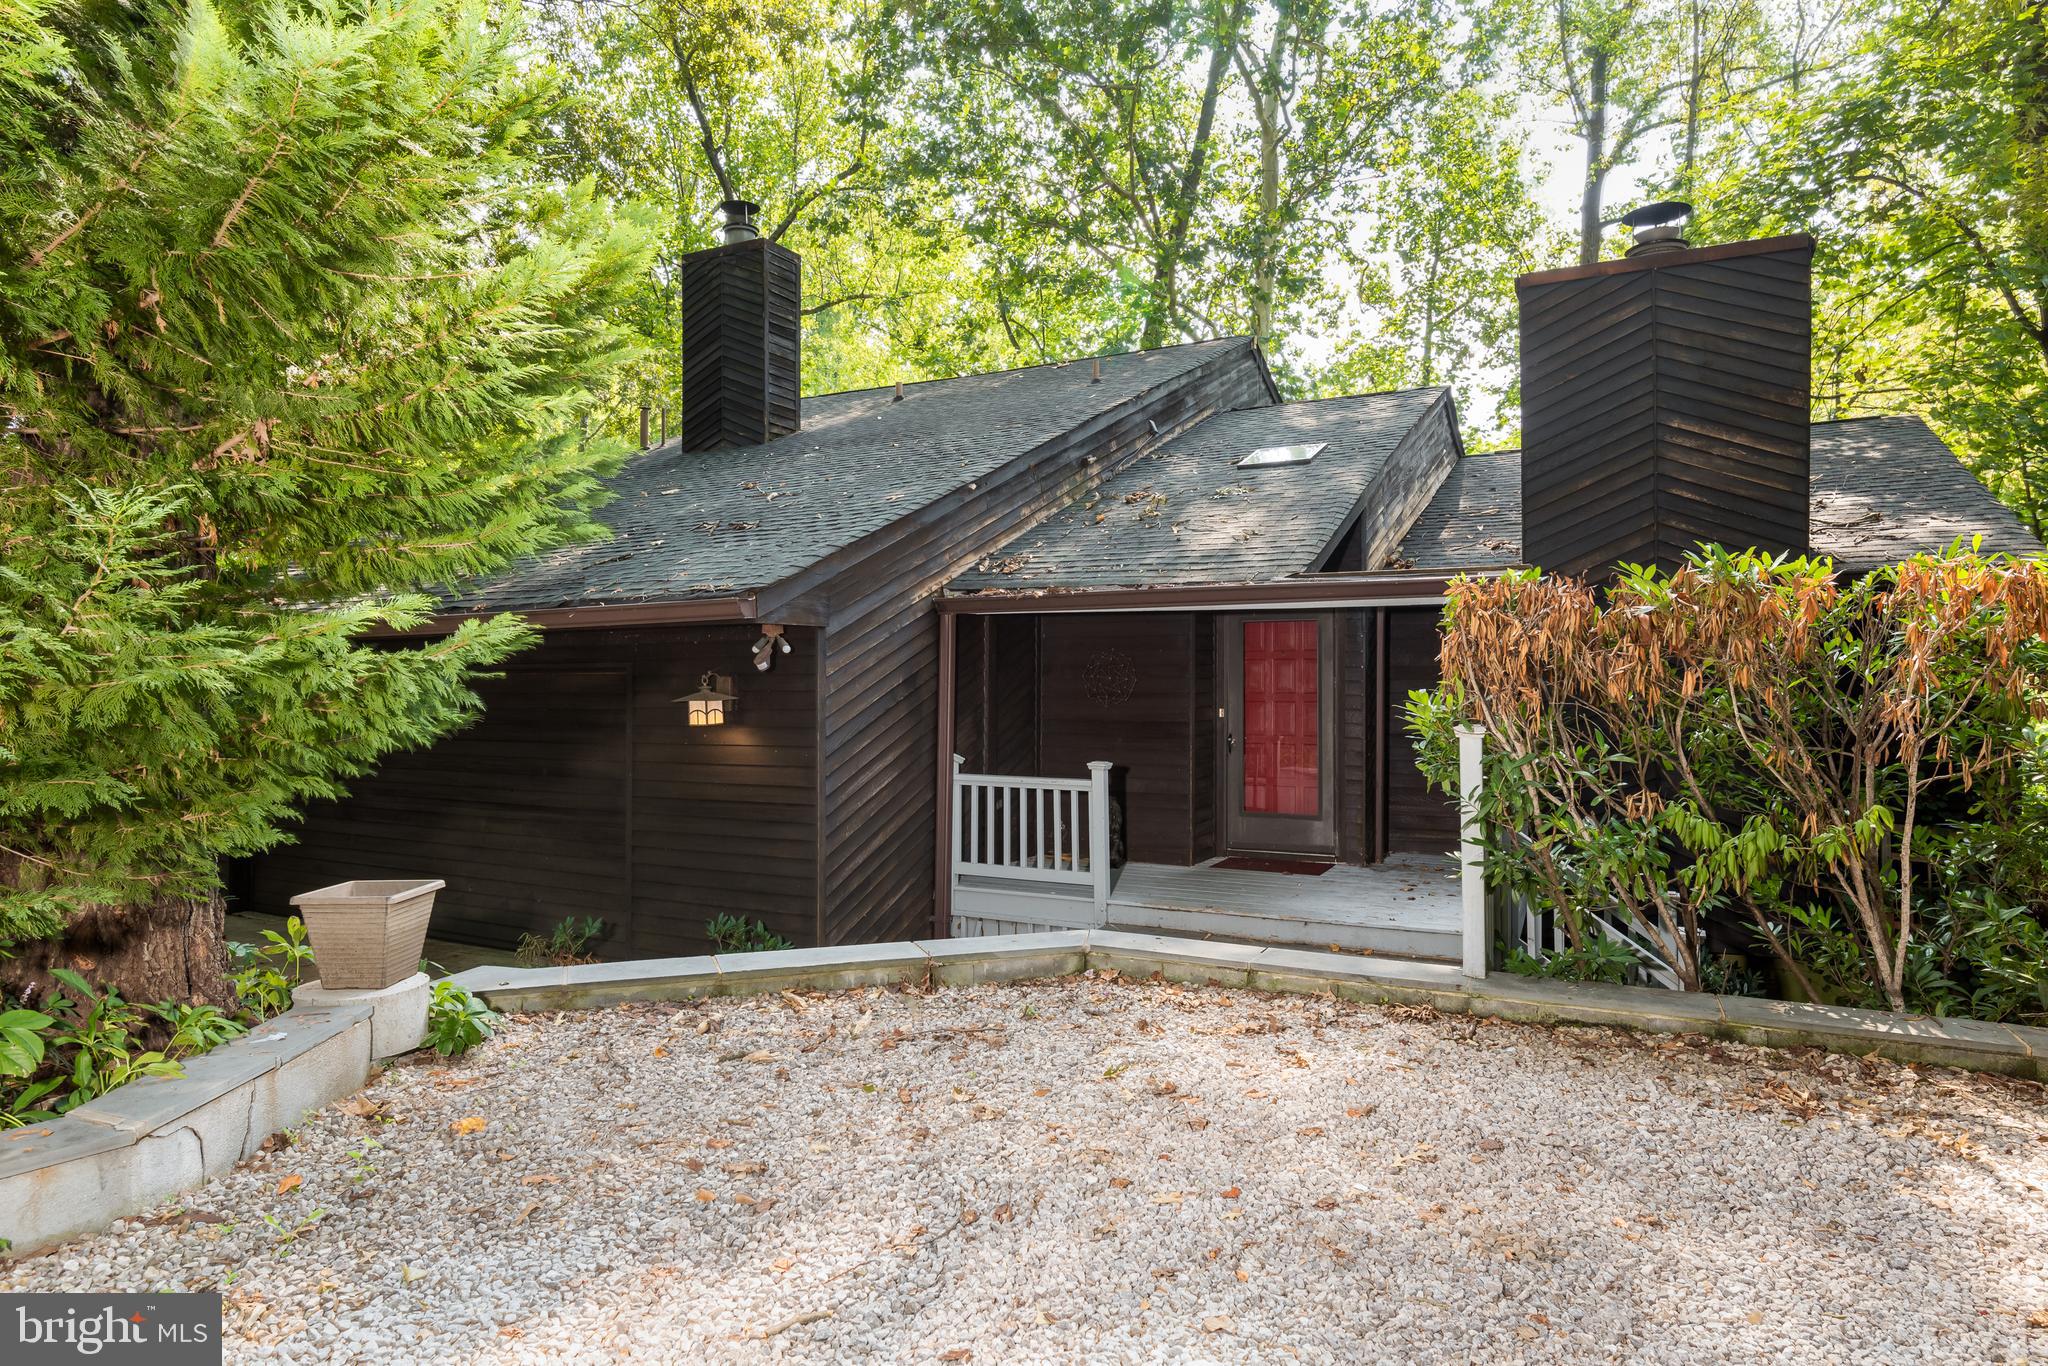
(1282, 765)
(1279, 792)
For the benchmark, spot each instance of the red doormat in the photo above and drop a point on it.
(1274, 865)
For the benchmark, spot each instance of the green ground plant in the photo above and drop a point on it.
(735, 934)
(561, 946)
(457, 1020)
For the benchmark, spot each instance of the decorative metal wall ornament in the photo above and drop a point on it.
(1109, 678)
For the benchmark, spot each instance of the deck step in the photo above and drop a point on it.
(1284, 931)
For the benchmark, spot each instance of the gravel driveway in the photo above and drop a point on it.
(1114, 1171)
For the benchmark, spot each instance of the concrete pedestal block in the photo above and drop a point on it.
(398, 1014)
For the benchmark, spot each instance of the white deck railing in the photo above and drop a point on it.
(1041, 830)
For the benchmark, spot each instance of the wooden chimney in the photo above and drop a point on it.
(742, 337)
(1665, 403)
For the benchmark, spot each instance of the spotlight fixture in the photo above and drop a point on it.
(766, 648)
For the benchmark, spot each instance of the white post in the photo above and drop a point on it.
(1098, 831)
(1472, 858)
(956, 833)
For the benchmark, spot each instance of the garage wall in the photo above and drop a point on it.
(582, 790)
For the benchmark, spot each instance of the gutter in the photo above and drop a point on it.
(741, 607)
(1292, 594)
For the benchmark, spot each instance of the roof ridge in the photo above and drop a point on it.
(1040, 365)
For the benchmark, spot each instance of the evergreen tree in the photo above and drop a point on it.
(289, 328)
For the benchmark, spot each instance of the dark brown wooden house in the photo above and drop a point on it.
(1146, 563)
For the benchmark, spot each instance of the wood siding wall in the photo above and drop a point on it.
(742, 342)
(1419, 821)
(877, 738)
(583, 790)
(1355, 703)
(1125, 689)
(1665, 402)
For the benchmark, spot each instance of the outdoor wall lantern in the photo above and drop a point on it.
(712, 702)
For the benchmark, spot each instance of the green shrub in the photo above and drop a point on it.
(1598, 959)
(265, 974)
(561, 946)
(1847, 776)
(456, 1020)
(732, 934)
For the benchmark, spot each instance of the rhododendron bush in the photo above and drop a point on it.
(1750, 755)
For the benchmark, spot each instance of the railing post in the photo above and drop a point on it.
(1477, 935)
(1098, 832)
(956, 832)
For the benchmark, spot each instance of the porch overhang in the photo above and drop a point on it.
(1301, 592)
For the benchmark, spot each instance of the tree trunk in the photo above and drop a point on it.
(1596, 157)
(170, 950)
(1163, 309)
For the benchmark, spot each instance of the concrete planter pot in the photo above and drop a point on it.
(368, 934)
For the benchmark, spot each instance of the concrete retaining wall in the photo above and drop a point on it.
(146, 1142)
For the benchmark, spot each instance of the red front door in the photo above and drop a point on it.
(1282, 759)
(1279, 716)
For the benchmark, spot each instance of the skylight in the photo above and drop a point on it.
(1280, 455)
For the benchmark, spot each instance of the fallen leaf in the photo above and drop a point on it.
(958, 1354)
(1232, 1193)
(660, 1051)
(744, 1168)
(783, 1263)
(718, 1143)
(540, 1179)
(469, 1124)
(1120, 1182)
(705, 1196)
(1168, 1197)
(362, 1107)
(523, 1214)
(1217, 1323)
(1490, 1145)
(411, 1274)
(745, 1199)
(290, 1183)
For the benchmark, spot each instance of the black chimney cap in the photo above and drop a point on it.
(1657, 214)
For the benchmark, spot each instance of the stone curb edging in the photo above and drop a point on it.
(1975, 1045)
(140, 1145)
(143, 1143)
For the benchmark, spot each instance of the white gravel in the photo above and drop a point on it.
(1100, 1170)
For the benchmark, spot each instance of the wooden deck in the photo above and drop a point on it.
(1408, 905)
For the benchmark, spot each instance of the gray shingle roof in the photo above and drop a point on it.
(693, 524)
(1883, 488)
(1185, 515)
(1475, 520)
